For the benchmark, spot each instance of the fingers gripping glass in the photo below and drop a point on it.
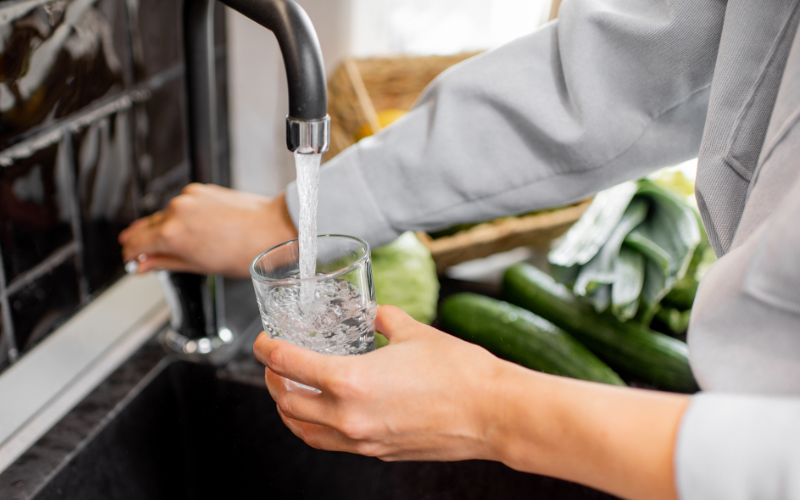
(340, 319)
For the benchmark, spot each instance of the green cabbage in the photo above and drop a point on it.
(405, 276)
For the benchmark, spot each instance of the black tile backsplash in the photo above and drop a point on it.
(34, 210)
(104, 168)
(160, 40)
(161, 138)
(44, 304)
(223, 149)
(62, 56)
(93, 134)
(3, 345)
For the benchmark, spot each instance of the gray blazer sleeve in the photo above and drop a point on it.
(609, 92)
(739, 448)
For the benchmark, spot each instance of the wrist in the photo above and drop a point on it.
(509, 426)
(614, 439)
(490, 412)
(264, 223)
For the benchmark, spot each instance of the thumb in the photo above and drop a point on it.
(394, 324)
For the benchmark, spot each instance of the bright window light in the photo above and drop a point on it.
(420, 27)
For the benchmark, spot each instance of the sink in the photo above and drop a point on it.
(188, 432)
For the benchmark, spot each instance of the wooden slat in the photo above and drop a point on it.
(363, 96)
(502, 235)
(554, 9)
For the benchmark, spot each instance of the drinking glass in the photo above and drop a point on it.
(340, 318)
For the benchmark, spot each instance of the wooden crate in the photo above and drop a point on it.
(360, 89)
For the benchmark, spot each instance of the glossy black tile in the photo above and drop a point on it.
(161, 144)
(35, 215)
(223, 144)
(4, 345)
(157, 36)
(62, 208)
(44, 304)
(117, 14)
(103, 160)
(58, 58)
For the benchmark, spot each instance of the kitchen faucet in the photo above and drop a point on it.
(198, 325)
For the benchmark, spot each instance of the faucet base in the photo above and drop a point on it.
(217, 350)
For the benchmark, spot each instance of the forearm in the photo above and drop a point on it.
(618, 440)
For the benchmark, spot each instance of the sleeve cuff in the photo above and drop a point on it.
(739, 447)
(346, 205)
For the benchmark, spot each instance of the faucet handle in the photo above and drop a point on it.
(308, 136)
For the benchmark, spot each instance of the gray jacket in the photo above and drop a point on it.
(611, 91)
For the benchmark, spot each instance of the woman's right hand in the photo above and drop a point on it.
(208, 229)
(431, 396)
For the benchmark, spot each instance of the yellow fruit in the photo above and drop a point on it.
(385, 118)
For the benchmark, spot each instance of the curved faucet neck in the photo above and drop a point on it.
(302, 55)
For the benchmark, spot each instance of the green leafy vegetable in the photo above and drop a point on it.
(668, 238)
(628, 282)
(630, 248)
(601, 268)
(405, 276)
(595, 226)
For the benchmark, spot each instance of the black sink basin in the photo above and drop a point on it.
(184, 433)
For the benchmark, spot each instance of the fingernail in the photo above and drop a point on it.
(142, 258)
(132, 267)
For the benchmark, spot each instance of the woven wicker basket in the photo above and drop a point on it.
(360, 89)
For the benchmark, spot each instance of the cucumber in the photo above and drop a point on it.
(629, 348)
(519, 336)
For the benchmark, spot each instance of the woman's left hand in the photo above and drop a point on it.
(206, 230)
(424, 397)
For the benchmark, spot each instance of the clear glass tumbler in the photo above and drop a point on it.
(340, 319)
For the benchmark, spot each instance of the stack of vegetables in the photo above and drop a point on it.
(632, 262)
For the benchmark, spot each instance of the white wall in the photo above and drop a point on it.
(362, 28)
(441, 26)
(259, 102)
